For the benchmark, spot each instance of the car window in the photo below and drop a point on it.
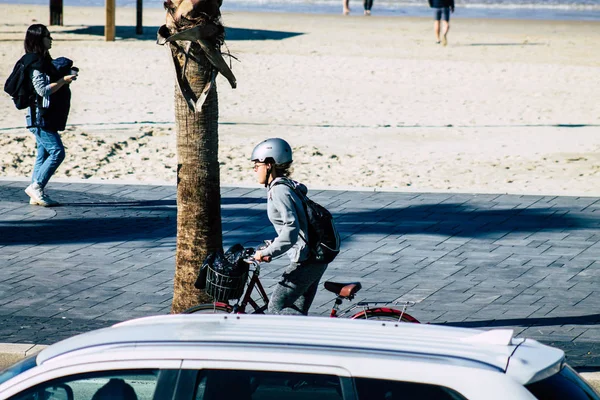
(114, 385)
(264, 385)
(566, 384)
(380, 389)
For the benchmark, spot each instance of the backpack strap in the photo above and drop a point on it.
(32, 61)
(283, 181)
(286, 182)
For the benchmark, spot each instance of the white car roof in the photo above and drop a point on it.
(525, 360)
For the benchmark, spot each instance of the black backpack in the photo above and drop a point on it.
(19, 86)
(323, 238)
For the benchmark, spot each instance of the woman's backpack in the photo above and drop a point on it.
(18, 85)
(323, 238)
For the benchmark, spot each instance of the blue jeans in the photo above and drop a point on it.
(50, 154)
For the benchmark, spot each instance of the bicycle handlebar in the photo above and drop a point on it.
(249, 252)
(252, 260)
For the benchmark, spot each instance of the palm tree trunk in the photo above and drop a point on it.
(198, 184)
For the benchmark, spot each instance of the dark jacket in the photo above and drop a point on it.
(441, 3)
(54, 118)
(31, 60)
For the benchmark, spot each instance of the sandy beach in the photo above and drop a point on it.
(507, 107)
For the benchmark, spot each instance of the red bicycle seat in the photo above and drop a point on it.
(343, 289)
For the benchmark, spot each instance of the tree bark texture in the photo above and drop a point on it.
(198, 183)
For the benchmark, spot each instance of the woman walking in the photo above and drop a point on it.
(51, 80)
(298, 285)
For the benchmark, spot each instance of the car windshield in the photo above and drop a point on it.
(566, 384)
(18, 368)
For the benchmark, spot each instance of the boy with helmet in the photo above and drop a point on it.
(298, 286)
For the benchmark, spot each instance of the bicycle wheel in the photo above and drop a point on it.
(209, 308)
(385, 314)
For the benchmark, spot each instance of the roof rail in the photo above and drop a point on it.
(502, 337)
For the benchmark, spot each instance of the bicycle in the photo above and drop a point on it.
(225, 289)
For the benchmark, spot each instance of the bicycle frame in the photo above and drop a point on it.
(247, 299)
(255, 283)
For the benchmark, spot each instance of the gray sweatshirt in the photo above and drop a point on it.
(41, 84)
(286, 212)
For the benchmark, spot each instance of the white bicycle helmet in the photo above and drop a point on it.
(275, 148)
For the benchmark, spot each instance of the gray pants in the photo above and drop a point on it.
(297, 289)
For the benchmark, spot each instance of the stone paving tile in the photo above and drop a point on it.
(474, 260)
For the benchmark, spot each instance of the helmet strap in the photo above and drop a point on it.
(268, 173)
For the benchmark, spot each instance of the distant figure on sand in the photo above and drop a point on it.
(368, 4)
(441, 8)
(346, 7)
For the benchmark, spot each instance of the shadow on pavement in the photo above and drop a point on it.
(592, 319)
(46, 331)
(108, 220)
(141, 203)
(460, 220)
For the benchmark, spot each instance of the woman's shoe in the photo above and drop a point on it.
(37, 196)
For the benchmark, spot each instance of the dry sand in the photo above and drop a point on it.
(507, 107)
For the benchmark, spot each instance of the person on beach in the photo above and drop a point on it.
(345, 7)
(367, 4)
(298, 285)
(441, 8)
(51, 80)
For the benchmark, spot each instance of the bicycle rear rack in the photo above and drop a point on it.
(395, 303)
(366, 304)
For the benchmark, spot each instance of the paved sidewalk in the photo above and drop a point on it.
(527, 262)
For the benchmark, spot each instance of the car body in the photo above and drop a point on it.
(262, 357)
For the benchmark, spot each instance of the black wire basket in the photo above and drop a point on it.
(224, 287)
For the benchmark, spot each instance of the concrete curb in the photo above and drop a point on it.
(10, 353)
(13, 352)
(593, 378)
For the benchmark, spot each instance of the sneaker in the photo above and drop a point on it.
(38, 197)
(34, 191)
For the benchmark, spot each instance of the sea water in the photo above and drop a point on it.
(516, 9)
